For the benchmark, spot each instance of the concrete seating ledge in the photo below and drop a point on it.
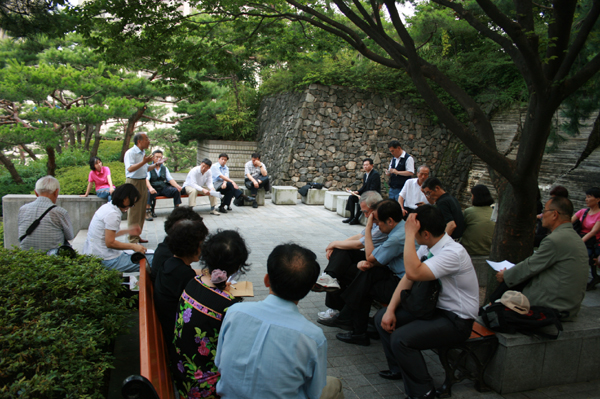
(314, 197)
(284, 195)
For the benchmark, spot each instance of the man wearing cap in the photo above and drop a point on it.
(403, 335)
(556, 274)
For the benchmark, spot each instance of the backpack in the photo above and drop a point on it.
(303, 191)
(499, 318)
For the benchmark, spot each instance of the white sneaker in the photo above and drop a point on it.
(328, 314)
(214, 212)
(326, 281)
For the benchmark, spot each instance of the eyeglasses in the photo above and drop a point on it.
(427, 193)
(551, 210)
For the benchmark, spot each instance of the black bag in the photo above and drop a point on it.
(421, 300)
(578, 225)
(499, 318)
(303, 191)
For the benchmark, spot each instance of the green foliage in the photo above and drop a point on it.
(74, 180)
(57, 316)
(1, 234)
(179, 156)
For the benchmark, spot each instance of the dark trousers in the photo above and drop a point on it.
(263, 182)
(404, 345)
(342, 266)
(377, 283)
(353, 207)
(228, 192)
(167, 191)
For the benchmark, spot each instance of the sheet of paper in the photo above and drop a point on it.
(497, 266)
(242, 288)
(131, 251)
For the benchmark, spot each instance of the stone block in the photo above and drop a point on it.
(260, 196)
(284, 195)
(314, 197)
(341, 202)
(331, 199)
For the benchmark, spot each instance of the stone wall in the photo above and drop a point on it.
(326, 131)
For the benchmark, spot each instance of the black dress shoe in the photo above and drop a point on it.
(222, 209)
(336, 322)
(356, 339)
(354, 221)
(390, 375)
(347, 220)
(429, 395)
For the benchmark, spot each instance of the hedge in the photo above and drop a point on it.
(57, 317)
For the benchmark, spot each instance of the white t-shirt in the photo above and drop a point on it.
(452, 265)
(107, 217)
(412, 194)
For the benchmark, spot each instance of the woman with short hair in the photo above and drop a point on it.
(479, 228)
(100, 177)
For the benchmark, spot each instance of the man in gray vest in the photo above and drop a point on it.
(402, 168)
(160, 183)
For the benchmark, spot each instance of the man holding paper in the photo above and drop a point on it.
(199, 182)
(556, 274)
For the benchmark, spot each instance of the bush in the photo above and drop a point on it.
(56, 316)
(74, 181)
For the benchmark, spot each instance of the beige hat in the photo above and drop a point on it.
(516, 301)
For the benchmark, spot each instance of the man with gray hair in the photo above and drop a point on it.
(411, 196)
(53, 227)
(136, 170)
(199, 181)
(343, 257)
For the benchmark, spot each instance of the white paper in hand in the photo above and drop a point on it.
(498, 266)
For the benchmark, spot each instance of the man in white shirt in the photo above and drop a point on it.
(199, 182)
(403, 335)
(136, 170)
(256, 176)
(411, 195)
(402, 168)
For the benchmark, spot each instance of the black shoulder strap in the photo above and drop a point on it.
(584, 215)
(35, 224)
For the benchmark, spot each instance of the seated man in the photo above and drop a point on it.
(412, 195)
(227, 187)
(404, 336)
(556, 274)
(453, 216)
(267, 349)
(256, 176)
(371, 182)
(54, 227)
(160, 183)
(379, 273)
(343, 257)
(199, 182)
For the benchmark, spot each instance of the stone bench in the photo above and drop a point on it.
(524, 362)
(284, 195)
(341, 202)
(260, 196)
(330, 201)
(315, 197)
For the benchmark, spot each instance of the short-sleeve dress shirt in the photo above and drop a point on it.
(376, 236)
(391, 251)
(409, 166)
(107, 217)
(412, 194)
(133, 156)
(451, 264)
(217, 171)
(250, 169)
(52, 231)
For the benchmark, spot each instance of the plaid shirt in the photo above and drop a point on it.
(54, 229)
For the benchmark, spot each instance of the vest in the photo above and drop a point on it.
(397, 181)
(158, 181)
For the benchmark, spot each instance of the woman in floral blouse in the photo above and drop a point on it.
(201, 310)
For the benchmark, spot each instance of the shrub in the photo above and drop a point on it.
(74, 181)
(56, 317)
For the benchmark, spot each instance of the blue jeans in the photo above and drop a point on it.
(394, 193)
(124, 264)
(104, 193)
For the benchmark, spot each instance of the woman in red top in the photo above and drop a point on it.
(100, 176)
(590, 230)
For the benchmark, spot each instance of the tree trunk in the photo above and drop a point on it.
(89, 133)
(28, 151)
(11, 168)
(71, 132)
(133, 119)
(51, 164)
(94, 151)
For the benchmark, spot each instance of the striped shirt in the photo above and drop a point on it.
(54, 229)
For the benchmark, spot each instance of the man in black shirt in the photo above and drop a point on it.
(447, 204)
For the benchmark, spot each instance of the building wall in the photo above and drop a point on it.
(239, 152)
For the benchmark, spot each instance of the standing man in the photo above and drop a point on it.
(268, 349)
(160, 183)
(199, 182)
(411, 195)
(402, 168)
(404, 336)
(371, 182)
(447, 204)
(136, 171)
(227, 187)
(256, 176)
(54, 228)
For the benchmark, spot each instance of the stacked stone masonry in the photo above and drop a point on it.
(324, 133)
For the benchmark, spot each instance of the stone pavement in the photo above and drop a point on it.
(314, 227)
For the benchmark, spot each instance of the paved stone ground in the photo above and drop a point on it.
(314, 227)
